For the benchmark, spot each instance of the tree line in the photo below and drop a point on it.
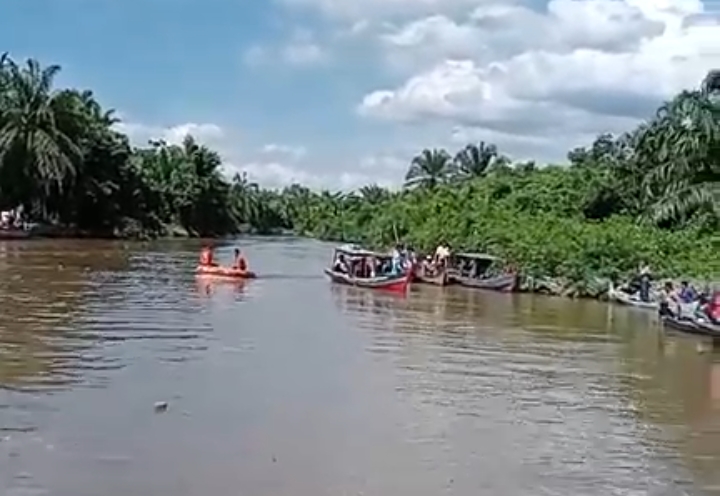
(650, 195)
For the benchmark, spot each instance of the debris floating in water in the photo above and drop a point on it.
(161, 406)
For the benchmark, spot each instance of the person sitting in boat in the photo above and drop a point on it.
(207, 257)
(240, 262)
(687, 293)
(713, 308)
(710, 309)
(341, 265)
(428, 266)
(362, 268)
(669, 301)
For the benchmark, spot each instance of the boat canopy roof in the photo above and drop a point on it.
(355, 251)
(477, 256)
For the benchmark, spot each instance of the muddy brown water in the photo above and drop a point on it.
(288, 385)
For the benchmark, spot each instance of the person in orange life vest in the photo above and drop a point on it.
(240, 263)
(207, 257)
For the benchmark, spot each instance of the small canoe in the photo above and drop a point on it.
(388, 283)
(631, 300)
(220, 271)
(691, 326)
(504, 282)
(475, 270)
(439, 279)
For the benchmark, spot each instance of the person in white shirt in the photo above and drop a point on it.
(442, 253)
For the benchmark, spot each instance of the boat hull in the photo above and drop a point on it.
(397, 284)
(505, 283)
(441, 279)
(11, 234)
(625, 299)
(691, 326)
(224, 272)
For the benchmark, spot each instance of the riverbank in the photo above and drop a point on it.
(138, 233)
(556, 249)
(544, 268)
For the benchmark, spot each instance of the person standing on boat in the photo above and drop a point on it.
(410, 259)
(442, 253)
(645, 277)
(397, 261)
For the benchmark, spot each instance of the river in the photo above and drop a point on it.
(288, 385)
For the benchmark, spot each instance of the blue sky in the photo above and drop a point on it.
(301, 73)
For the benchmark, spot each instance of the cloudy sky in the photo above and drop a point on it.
(337, 93)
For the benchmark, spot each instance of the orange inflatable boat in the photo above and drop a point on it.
(220, 271)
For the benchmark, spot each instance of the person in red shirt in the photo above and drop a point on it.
(713, 308)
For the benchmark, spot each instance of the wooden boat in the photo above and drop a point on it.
(440, 278)
(473, 270)
(8, 234)
(631, 299)
(691, 326)
(400, 283)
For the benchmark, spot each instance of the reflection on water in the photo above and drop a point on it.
(209, 286)
(287, 385)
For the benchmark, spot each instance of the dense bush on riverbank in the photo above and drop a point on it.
(651, 195)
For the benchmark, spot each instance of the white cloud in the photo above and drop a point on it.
(358, 11)
(580, 68)
(295, 152)
(278, 175)
(272, 165)
(301, 49)
(387, 163)
(303, 53)
(140, 134)
(256, 55)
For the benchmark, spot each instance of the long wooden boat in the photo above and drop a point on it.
(478, 276)
(631, 300)
(399, 282)
(8, 234)
(388, 283)
(691, 326)
(441, 278)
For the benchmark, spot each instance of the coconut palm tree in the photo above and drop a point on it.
(475, 160)
(37, 148)
(684, 141)
(246, 198)
(373, 193)
(711, 84)
(429, 168)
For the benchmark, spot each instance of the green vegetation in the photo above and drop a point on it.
(651, 195)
